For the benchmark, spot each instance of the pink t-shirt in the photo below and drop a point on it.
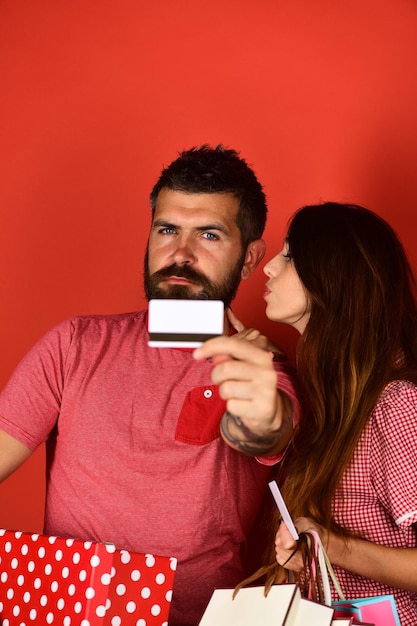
(134, 455)
(378, 493)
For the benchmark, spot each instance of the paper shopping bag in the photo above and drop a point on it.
(376, 610)
(283, 606)
(52, 580)
(348, 621)
(379, 610)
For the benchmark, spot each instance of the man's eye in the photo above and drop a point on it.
(210, 236)
(166, 231)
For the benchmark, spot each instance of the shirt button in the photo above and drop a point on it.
(208, 393)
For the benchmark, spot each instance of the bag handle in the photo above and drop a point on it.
(326, 569)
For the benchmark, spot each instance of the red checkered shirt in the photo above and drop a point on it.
(378, 493)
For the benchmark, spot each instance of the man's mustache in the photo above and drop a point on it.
(181, 271)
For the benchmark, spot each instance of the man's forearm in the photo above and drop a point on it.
(268, 442)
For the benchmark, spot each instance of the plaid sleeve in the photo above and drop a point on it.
(393, 451)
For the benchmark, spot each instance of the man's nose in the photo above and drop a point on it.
(184, 252)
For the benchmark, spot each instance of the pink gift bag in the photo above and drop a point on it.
(52, 580)
(379, 610)
(376, 610)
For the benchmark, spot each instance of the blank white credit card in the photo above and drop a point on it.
(286, 517)
(184, 323)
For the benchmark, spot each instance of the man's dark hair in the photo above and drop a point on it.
(218, 170)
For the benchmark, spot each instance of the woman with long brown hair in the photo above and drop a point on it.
(344, 282)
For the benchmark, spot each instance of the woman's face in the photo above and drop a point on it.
(286, 298)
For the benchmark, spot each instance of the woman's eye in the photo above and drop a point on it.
(287, 256)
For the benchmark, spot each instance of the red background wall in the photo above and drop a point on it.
(97, 95)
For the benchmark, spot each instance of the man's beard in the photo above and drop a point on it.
(225, 290)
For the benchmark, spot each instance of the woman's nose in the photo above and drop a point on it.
(272, 268)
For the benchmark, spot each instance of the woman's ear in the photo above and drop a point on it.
(254, 254)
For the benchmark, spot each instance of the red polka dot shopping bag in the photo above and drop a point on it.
(52, 580)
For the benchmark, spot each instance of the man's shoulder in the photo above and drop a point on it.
(108, 319)
(100, 324)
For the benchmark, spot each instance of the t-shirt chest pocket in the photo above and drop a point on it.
(200, 416)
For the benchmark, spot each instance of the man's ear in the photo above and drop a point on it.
(254, 254)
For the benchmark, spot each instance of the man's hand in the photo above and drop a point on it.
(247, 381)
(251, 334)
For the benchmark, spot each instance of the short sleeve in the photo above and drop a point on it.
(393, 451)
(30, 402)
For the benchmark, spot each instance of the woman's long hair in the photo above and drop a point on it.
(361, 334)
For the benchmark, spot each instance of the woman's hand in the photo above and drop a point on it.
(396, 567)
(286, 551)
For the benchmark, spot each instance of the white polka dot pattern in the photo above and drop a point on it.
(51, 580)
